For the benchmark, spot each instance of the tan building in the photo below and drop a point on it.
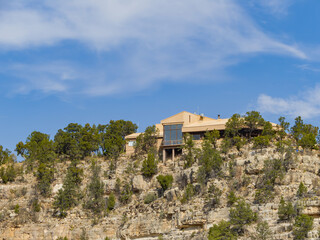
(171, 130)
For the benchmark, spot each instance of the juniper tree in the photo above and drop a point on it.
(95, 191)
(69, 195)
(253, 120)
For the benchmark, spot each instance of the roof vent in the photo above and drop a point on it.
(218, 116)
(202, 115)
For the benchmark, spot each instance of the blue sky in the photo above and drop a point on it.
(93, 61)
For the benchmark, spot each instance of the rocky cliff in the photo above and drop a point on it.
(166, 217)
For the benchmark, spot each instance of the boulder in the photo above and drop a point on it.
(139, 184)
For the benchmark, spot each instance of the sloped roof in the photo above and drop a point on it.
(200, 126)
(135, 135)
(185, 117)
(132, 136)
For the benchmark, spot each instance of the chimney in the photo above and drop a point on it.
(218, 116)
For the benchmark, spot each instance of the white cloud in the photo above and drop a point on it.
(159, 40)
(278, 7)
(308, 67)
(53, 78)
(307, 104)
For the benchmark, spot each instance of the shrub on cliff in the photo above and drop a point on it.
(231, 198)
(69, 195)
(8, 174)
(241, 215)
(262, 232)
(210, 163)
(188, 153)
(126, 193)
(149, 166)
(302, 190)
(149, 198)
(214, 194)
(286, 210)
(188, 194)
(165, 181)
(302, 225)
(111, 202)
(94, 199)
(45, 176)
(221, 231)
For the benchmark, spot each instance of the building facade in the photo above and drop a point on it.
(172, 129)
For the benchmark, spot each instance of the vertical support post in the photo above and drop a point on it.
(164, 155)
(172, 154)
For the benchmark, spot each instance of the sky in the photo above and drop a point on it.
(94, 61)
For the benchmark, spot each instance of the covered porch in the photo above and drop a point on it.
(170, 153)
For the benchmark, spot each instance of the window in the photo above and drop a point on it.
(131, 143)
(173, 134)
(196, 136)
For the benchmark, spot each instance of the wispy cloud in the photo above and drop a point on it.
(55, 77)
(278, 7)
(154, 41)
(306, 104)
(309, 67)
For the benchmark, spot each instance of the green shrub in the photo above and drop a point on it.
(188, 153)
(149, 198)
(263, 195)
(126, 193)
(6, 156)
(241, 215)
(8, 174)
(272, 172)
(212, 137)
(16, 208)
(117, 187)
(210, 163)
(222, 231)
(286, 210)
(111, 202)
(302, 190)
(188, 194)
(238, 142)
(35, 205)
(262, 232)
(149, 166)
(45, 176)
(261, 142)
(303, 224)
(146, 142)
(69, 195)
(214, 195)
(94, 200)
(226, 145)
(165, 181)
(232, 198)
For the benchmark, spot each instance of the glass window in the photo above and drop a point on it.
(173, 134)
(131, 143)
(196, 136)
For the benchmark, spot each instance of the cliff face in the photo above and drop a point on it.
(166, 217)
